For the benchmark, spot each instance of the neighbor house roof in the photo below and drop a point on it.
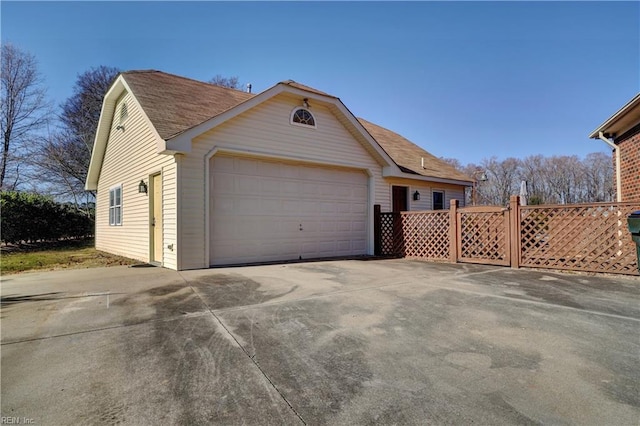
(175, 104)
(410, 157)
(621, 121)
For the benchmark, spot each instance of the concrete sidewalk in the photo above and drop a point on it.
(345, 342)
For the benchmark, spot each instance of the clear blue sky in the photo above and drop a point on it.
(466, 80)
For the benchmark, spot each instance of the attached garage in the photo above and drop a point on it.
(266, 210)
(209, 175)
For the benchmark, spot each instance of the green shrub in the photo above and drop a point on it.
(30, 217)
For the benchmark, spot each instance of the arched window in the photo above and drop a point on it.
(303, 117)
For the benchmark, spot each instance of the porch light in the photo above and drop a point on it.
(416, 196)
(142, 187)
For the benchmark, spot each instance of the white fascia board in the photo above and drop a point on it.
(102, 133)
(388, 163)
(422, 178)
(615, 117)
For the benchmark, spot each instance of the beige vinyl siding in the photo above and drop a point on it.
(131, 156)
(451, 192)
(265, 129)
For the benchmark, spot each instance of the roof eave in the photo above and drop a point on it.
(615, 117)
(423, 178)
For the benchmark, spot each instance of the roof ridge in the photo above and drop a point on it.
(149, 71)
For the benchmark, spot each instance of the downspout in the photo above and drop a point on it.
(617, 151)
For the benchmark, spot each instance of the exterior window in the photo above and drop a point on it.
(115, 206)
(303, 117)
(124, 112)
(438, 200)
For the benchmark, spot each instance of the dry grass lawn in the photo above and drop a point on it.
(59, 255)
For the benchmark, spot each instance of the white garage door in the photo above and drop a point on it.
(268, 210)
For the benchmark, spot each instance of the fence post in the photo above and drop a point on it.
(514, 230)
(377, 230)
(453, 231)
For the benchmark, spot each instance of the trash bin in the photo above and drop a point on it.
(634, 227)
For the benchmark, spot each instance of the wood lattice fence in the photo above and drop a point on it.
(580, 237)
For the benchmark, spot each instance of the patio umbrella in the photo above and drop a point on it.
(523, 193)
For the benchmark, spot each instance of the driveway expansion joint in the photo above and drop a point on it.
(251, 358)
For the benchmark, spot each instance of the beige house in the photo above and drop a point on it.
(190, 175)
(621, 132)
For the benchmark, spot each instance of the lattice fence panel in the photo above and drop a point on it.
(390, 234)
(592, 238)
(425, 235)
(483, 237)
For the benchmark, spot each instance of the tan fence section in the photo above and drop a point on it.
(592, 238)
(416, 235)
(483, 235)
(581, 237)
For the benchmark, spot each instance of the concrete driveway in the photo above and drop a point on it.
(345, 342)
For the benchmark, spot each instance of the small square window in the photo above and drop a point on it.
(438, 200)
(115, 206)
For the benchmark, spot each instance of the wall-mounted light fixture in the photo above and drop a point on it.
(142, 187)
(120, 127)
(305, 103)
(416, 196)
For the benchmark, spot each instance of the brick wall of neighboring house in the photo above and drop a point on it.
(629, 167)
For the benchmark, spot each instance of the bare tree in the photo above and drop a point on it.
(598, 175)
(66, 153)
(550, 180)
(502, 180)
(532, 171)
(230, 82)
(24, 108)
(564, 175)
(453, 162)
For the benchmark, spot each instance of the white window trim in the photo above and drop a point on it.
(113, 221)
(306, 126)
(444, 199)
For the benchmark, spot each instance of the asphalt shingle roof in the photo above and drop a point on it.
(175, 104)
(409, 156)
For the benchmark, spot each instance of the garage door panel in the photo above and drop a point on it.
(328, 209)
(225, 164)
(309, 207)
(268, 169)
(258, 207)
(246, 166)
(358, 208)
(270, 186)
(288, 171)
(358, 245)
(224, 184)
(290, 207)
(310, 189)
(247, 185)
(358, 226)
